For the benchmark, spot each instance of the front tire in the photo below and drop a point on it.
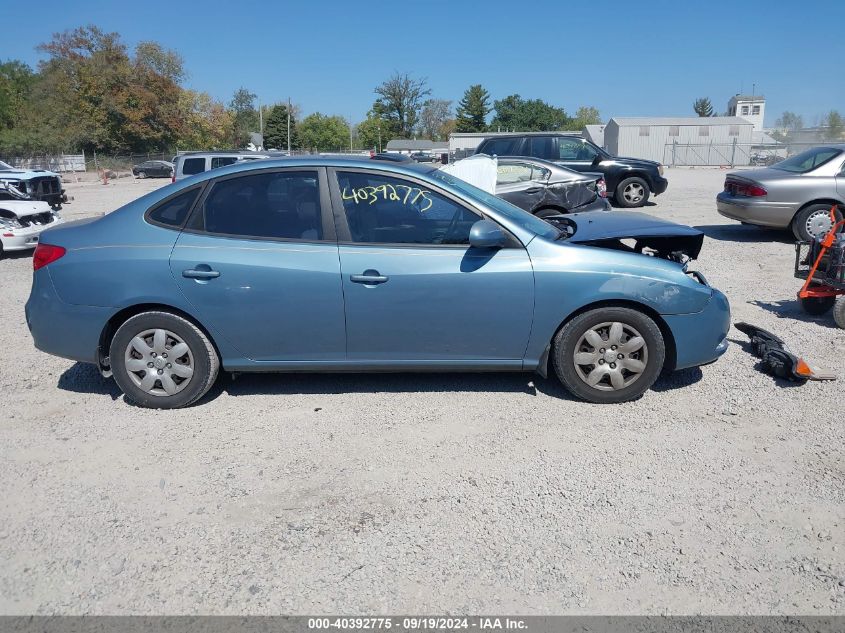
(632, 192)
(812, 222)
(609, 355)
(142, 174)
(162, 361)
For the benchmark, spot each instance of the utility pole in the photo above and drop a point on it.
(260, 119)
(288, 126)
(379, 138)
(350, 135)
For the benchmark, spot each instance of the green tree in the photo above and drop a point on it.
(16, 80)
(276, 128)
(473, 108)
(433, 116)
(834, 124)
(207, 123)
(532, 115)
(321, 133)
(703, 107)
(786, 125)
(400, 100)
(373, 132)
(585, 115)
(244, 115)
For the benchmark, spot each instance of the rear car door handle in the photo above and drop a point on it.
(200, 274)
(369, 277)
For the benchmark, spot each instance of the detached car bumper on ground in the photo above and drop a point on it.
(326, 264)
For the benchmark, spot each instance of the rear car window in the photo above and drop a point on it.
(174, 212)
(274, 205)
(809, 160)
(193, 166)
(501, 146)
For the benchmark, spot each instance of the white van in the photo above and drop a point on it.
(192, 163)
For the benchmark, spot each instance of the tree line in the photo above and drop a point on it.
(92, 93)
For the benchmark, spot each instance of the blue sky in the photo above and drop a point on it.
(625, 58)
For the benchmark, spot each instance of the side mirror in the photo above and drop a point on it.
(487, 234)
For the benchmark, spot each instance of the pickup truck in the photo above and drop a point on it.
(37, 185)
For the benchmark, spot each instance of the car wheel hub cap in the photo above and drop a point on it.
(159, 362)
(818, 224)
(634, 193)
(610, 356)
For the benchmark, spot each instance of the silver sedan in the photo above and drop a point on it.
(796, 193)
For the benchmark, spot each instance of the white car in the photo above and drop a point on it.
(22, 221)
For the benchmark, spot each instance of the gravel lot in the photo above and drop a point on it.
(720, 491)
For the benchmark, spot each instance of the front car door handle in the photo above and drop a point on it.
(369, 277)
(200, 274)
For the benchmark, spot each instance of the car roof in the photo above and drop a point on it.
(522, 134)
(409, 168)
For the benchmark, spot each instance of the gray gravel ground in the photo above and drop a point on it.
(720, 491)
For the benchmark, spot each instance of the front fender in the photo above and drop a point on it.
(569, 277)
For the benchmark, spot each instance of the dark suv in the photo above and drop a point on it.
(630, 180)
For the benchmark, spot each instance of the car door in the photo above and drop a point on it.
(415, 291)
(258, 261)
(520, 183)
(575, 153)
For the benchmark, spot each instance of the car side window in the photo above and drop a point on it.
(575, 149)
(390, 210)
(193, 166)
(174, 211)
(222, 161)
(510, 173)
(501, 146)
(542, 147)
(268, 205)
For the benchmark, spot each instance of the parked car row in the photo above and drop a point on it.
(331, 264)
(631, 181)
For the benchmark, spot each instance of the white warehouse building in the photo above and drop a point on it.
(721, 140)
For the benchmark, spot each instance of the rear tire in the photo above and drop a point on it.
(839, 312)
(817, 306)
(142, 174)
(162, 361)
(632, 192)
(813, 221)
(619, 350)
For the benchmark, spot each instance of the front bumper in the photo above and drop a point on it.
(756, 211)
(25, 238)
(701, 338)
(658, 185)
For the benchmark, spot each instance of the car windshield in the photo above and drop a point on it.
(809, 160)
(511, 212)
(5, 166)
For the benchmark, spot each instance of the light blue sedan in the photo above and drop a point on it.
(332, 264)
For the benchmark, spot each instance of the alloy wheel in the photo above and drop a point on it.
(634, 192)
(159, 362)
(610, 356)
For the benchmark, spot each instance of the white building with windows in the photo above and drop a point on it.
(720, 140)
(748, 107)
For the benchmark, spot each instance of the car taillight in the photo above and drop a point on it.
(173, 178)
(46, 254)
(601, 188)
(739, 188)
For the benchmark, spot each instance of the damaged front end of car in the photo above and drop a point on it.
(37, 186)
(23, 221)
(632, 233)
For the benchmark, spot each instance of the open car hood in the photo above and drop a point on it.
(634, 232)
(23, 208)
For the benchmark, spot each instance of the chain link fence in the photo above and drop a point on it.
(733, 154)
